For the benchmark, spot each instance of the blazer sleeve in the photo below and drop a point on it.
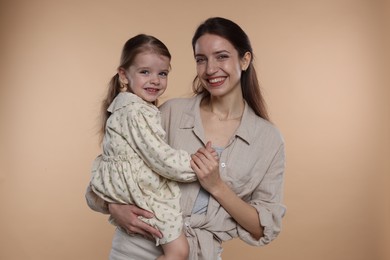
(267, 199)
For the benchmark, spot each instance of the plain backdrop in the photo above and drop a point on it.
(324, 70)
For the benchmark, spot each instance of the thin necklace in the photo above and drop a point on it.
(223, 119)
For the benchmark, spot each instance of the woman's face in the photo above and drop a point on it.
(218, 65)
(147, 77)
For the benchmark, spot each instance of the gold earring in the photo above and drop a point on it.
(123, 86)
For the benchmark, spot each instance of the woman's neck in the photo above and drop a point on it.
(225, 108)
(220, 119)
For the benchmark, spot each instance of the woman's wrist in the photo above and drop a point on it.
(219, 190)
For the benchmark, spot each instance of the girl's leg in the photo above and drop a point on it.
(177, 249)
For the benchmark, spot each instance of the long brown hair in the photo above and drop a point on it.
(135, 45)
(232, 32)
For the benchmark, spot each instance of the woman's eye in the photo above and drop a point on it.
(199, 60)
(222, 57)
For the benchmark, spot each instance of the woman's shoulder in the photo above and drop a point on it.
(173, 110)
(260, 129)
(268, 130)
(271, 127)
(177, 103)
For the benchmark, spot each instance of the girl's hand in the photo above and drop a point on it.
(205, 164)
(126, 216)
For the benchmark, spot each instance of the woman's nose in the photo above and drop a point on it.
(212, 67)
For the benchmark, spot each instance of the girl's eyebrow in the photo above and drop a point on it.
(143, 68)
(148, 68)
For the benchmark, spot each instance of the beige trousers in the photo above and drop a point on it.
(125, 247)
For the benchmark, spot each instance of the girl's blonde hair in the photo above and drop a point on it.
(135, 45)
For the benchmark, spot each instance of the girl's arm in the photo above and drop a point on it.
(148, 139)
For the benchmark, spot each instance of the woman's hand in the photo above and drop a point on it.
(205, 164)
(126, 216)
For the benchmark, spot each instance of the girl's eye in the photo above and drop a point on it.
(163, 74)
(144, 72)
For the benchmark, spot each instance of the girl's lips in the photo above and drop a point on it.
(154, 90)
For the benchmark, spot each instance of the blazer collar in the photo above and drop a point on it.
(191, 120)
(191, 117)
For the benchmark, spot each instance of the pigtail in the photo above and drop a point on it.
(113, 91)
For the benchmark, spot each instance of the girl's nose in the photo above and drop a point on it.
(155, 80)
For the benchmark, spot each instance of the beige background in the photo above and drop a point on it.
(324, 69)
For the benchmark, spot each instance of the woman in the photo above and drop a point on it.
(241, 194)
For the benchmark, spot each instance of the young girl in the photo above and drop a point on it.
(137, 166)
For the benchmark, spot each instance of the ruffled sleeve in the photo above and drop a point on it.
(94, 202)
(150, 144)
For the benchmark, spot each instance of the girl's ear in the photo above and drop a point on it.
(122, 76)
(246, 60)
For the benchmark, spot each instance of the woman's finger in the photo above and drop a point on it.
(127, 217)
(143, 229)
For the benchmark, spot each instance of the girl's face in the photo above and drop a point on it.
(147, 77)
(219, 65)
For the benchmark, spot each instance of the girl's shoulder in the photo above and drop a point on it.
(127, 100)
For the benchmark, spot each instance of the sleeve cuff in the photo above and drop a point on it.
(271, 226)
(95, 202)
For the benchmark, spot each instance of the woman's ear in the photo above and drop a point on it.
(246, 61)
(122, 76)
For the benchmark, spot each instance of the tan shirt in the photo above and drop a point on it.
(252, 165)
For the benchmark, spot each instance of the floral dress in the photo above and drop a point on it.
(138, 167)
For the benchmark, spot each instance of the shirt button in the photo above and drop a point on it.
(223, 165)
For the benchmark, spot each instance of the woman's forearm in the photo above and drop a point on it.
(243, 213)
(206, 167)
